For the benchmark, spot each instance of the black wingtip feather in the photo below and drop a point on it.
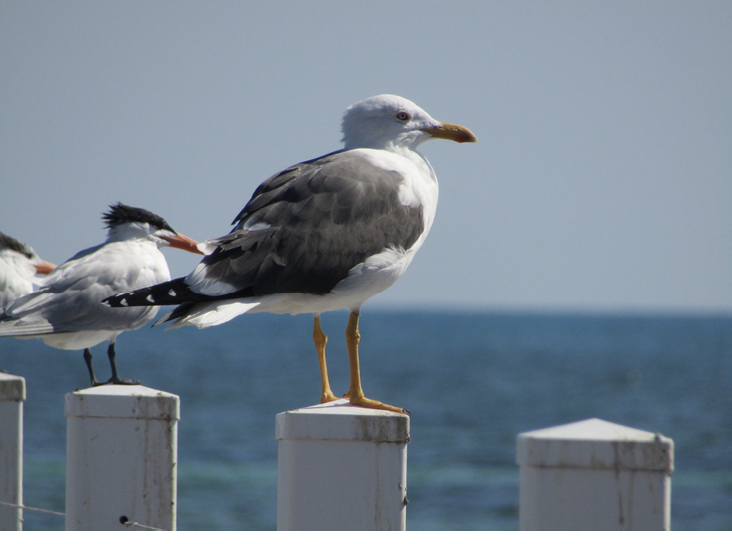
(180, 311)
(163, 294)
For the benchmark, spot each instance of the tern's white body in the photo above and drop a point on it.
(67, 312)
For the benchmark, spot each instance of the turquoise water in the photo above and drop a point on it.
(471, 381)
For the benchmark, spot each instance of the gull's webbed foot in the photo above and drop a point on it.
(360, 400)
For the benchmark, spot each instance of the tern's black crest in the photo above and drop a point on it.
(7, 242)
(119, 214)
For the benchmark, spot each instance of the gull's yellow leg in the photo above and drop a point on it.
(355, 393)
(321, 340)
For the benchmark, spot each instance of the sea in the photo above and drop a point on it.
(471, 380)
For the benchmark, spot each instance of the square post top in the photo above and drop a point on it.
(123, 401)
(339, 420)
(12, 388)
(594, 443)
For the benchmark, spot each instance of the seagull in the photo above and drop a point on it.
(67, 311)
(325, 234)
(19, 265)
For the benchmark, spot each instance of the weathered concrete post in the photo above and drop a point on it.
(122, 451)
(342, 467)
(12, 395)
(594, 475)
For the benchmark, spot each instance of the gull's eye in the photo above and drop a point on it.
(403, 116)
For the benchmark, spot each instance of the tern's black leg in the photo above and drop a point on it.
(88, 360)
(113, 362)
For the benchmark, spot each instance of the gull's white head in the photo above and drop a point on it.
(389, 121)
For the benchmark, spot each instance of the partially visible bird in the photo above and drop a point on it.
(19, 265)
(325, 234)
(67, 311)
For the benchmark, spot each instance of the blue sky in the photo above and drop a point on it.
(602, 179)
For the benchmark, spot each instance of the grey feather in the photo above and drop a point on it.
(323, 217)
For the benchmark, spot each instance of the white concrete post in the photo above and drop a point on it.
(342, 467)
(594, 475)
(12, 395)
(121, 456)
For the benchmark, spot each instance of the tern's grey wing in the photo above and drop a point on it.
(71, 298)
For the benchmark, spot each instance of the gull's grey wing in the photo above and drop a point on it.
(306, 227)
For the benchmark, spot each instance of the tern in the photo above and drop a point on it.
(19, 265)
(67, 311)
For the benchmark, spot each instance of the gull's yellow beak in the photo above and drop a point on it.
(455, 133)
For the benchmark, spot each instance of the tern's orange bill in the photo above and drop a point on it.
(183, 242)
